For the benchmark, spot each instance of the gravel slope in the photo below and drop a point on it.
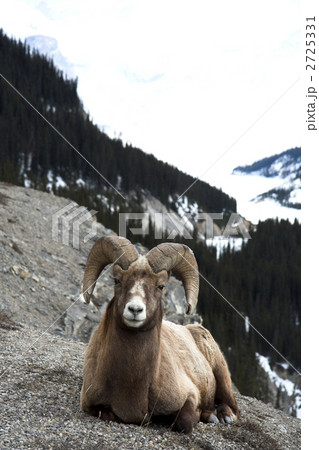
(40, 379)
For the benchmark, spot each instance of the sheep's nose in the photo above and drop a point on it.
(134, 312)
(135, 309)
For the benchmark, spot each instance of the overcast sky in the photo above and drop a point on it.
(203, 85)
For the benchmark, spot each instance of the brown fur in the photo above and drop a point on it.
(159, 369)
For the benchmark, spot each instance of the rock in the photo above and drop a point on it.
(15, 247)
(24, 275)
(16, 269)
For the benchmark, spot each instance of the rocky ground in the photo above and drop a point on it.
(40, 389)
(42, 324)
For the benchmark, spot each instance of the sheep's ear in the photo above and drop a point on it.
(162, 277)
(118, 272)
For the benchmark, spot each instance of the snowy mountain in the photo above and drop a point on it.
(281, 165)
(284, 388)
(272, 187)
(48, 46)
(280, 177)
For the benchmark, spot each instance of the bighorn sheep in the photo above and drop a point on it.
(139, 367)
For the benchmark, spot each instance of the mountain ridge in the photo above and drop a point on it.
(285, 169)
(266, 166)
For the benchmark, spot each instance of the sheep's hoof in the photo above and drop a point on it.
(213, 419)
(208, 417)
(227, 420)
(225, 414)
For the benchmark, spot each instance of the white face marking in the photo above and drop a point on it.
(134, 312)
(138, 289)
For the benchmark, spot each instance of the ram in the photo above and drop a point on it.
(139, 367)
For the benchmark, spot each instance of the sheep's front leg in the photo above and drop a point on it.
(186, 418)
(226, 404)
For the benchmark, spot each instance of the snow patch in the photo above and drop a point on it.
(280, 383)
(26, 181)
(222, 244)
(59, 182)
(247, 324)
(184, 207)
(286, 385)
(48, 46)
(104, 200)
(80, 182)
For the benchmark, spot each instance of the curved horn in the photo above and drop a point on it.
(106, 250)
(181, 259)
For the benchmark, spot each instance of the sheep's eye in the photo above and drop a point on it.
(116, 281)
(161, 287)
